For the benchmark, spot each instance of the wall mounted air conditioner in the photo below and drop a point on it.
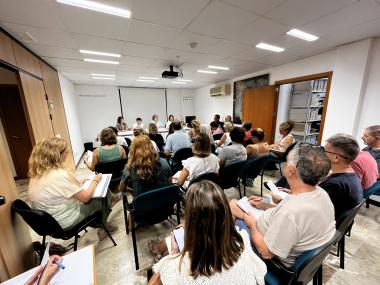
(222, 90)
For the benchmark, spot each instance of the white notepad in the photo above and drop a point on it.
(101, 189)
(248, 208)
(275, 190)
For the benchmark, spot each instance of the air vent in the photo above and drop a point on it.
(25, 37)
(222, 90)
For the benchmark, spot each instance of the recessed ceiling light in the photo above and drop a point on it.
(207, 71)
(145, 80)
(105, 78)
(147, 77)
(302, 35)
(95, 6)
(102, 75)
(179, 82)
(185, 80)
(99, 53)
(218, 67)
(270, 47)
(100, 61)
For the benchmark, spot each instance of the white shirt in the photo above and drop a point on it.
(137, 126)
(199, 165)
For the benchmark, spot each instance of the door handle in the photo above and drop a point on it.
(16, 137)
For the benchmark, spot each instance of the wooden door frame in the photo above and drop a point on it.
(327, 74)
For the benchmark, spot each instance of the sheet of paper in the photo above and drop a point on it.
(248, 208)
(101, 189)
(275, 190)
(89, 156)
(179, 235)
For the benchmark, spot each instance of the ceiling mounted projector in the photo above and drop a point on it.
(170, 73)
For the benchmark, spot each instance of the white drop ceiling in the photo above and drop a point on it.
(159, 33)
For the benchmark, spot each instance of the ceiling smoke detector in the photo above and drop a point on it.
(193, 45)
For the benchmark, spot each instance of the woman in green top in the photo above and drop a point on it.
(108, 151)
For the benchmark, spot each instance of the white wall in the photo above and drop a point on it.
(283, 106)
(72, 116)
(354, 93)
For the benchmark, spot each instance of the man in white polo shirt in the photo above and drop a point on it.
(176, 140)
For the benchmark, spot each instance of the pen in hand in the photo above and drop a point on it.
(60, 265)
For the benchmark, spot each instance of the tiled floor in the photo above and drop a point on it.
(115, 265)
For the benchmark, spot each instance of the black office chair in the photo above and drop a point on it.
(278, 157)
(212, 176)
(308, 266)
(344, 224)
(217, 136)
(45, 225)
(231, 175)
(255, 167)
(151, 208)
(373, 190)
(128, 140)
(114, 167)
(179, 155)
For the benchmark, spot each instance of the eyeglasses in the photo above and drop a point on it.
(321, 147)
(342, 156)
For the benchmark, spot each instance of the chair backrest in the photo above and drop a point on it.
(213, 148)
(155, 205)
(217, 136)
(289, 148)
(114, 167)
(40, 221)
(255, 165)
(230, 174)
(371, 190)
(182, 154)
(347, 217)
(212, 176)
(308, 263)
(126, 149)
(128, 140)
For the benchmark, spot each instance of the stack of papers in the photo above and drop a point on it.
(101, 189)
(248, 208)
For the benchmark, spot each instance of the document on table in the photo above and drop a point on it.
(79, 269)
(248, 208)
(101, 189)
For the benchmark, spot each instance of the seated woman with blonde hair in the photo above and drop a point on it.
(145, 169)
(55, 190)
(225, 140)
(286, 138)
(214, 251)
(259, 147)
(195, 129)
(108, 151)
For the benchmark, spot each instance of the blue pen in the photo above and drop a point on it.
(60, 265)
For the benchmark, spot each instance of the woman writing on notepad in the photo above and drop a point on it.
(54, 189)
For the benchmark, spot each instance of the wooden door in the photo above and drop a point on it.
(26, 60)
(16, 128)
(6, 49)
(35, 107)
(260, 107)
(16, 253)
(57, 109)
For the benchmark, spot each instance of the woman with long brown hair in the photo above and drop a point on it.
(214, 252)
(145, 169)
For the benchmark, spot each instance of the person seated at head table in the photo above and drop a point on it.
(170, 120)
(286, 138)
(302, 221)
(216, 129)
(120, 140)
(45, 273)
(156, 137)
(108, 151)
(55, 190)
(214, 252)
(121, 125)
(371, 137)
(203, 160)
(157, 122)
(234, 152)
(145, 169)
(138, 125)
(259, 147)
(195, 129)
(217, 120)
(225, 140)
(177, 140)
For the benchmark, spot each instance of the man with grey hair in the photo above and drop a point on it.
(302, 221)
(342, 185)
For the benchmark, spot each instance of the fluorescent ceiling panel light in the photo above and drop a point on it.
(100, 61)
(270, 47)
(302, 35)
(102, 75)
(145, 80)
(98, 7)
(185, 80)
(99, 53)
(147, 77)
(218, 67)
(178, 82)
(207, 71)
(105, 78)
